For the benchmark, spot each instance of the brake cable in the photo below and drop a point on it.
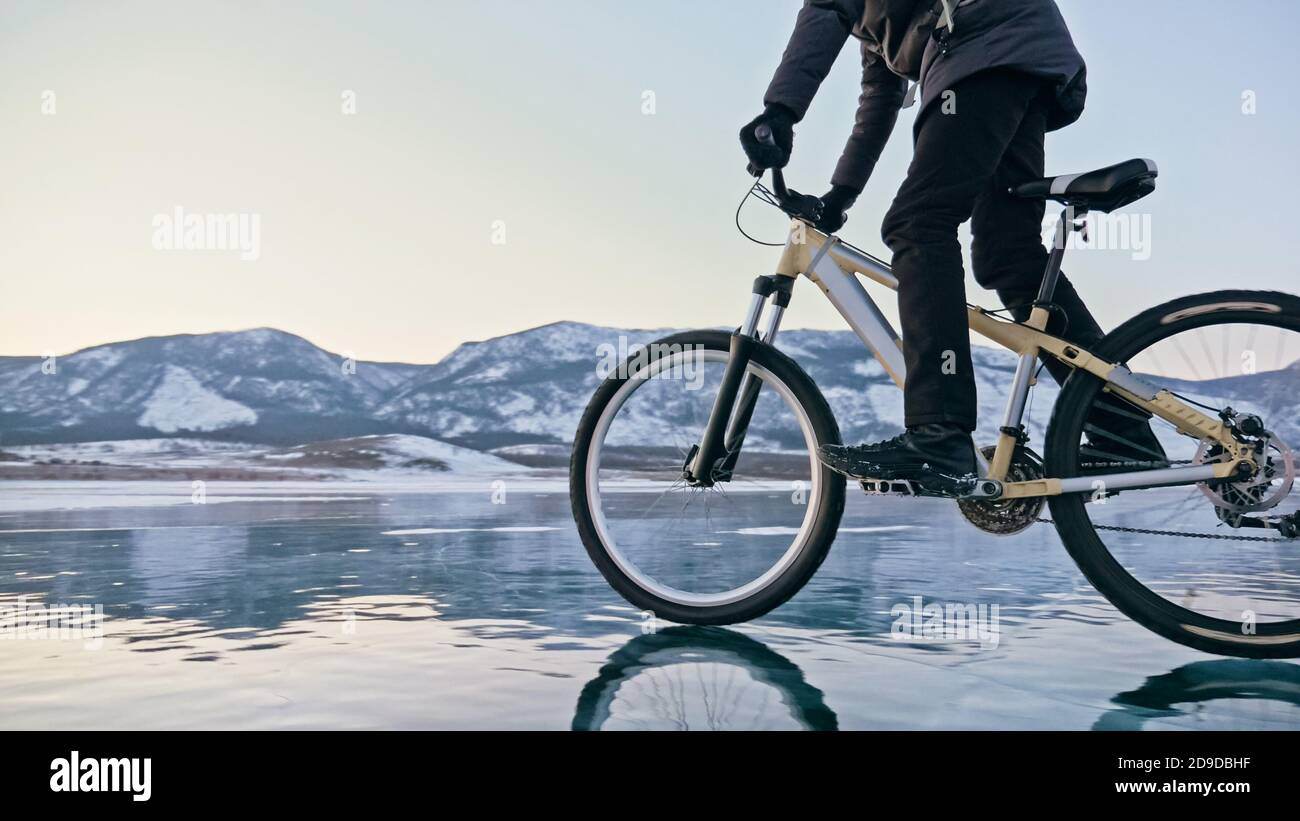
(763, 195)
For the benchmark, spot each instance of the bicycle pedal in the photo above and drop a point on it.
(890, 487)
(902, 487)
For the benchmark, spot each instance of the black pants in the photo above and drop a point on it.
(963, 164)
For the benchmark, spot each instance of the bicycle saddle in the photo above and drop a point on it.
(1102, 190)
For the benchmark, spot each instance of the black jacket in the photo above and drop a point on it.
(910, 40)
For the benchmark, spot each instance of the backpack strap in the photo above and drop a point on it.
(945, 17)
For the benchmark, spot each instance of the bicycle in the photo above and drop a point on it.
(717, 552)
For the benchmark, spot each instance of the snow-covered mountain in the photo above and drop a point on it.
(260, 385)
(271, 387)
(516, 393)
(519, 395)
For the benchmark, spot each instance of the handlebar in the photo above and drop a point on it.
(794, 204)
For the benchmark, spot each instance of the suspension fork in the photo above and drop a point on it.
(714, 458)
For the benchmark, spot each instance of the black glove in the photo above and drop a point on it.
(834, 205)
(781, 120)
(804, 206)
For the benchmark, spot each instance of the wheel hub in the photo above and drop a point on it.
(1264, 490)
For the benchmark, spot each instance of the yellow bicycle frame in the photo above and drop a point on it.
(833, 266)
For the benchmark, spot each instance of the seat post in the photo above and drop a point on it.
(1041, 313)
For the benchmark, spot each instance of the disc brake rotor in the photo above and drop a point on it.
(1263, 491)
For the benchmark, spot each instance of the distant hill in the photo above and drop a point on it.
(520, 395)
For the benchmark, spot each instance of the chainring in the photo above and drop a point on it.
(1005, 517)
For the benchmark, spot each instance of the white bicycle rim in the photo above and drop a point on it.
(650, 584)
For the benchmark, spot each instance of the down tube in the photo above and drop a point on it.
(861, 312)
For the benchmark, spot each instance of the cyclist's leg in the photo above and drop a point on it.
(1007, 249)
(1008, 256)
(956, 155)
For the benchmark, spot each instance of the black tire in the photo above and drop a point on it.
(823, 532)
(1272, 640)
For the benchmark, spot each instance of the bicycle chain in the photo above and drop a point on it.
(1152, 532)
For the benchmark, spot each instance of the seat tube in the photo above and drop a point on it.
(1010, 431)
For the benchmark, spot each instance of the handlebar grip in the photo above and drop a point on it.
(762, 133)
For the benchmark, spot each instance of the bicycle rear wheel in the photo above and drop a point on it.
(1170, 558)
(696, 555)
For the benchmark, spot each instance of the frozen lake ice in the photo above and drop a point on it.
(365, 605)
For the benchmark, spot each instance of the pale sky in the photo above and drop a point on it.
(526, 118)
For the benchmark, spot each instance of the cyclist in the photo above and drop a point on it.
(995, 76)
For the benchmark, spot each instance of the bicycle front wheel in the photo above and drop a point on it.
(696, 555)
(1177, 559)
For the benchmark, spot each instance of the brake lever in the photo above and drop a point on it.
(803, 206)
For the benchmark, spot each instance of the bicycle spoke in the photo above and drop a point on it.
(680, 537)
(1180, 542)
